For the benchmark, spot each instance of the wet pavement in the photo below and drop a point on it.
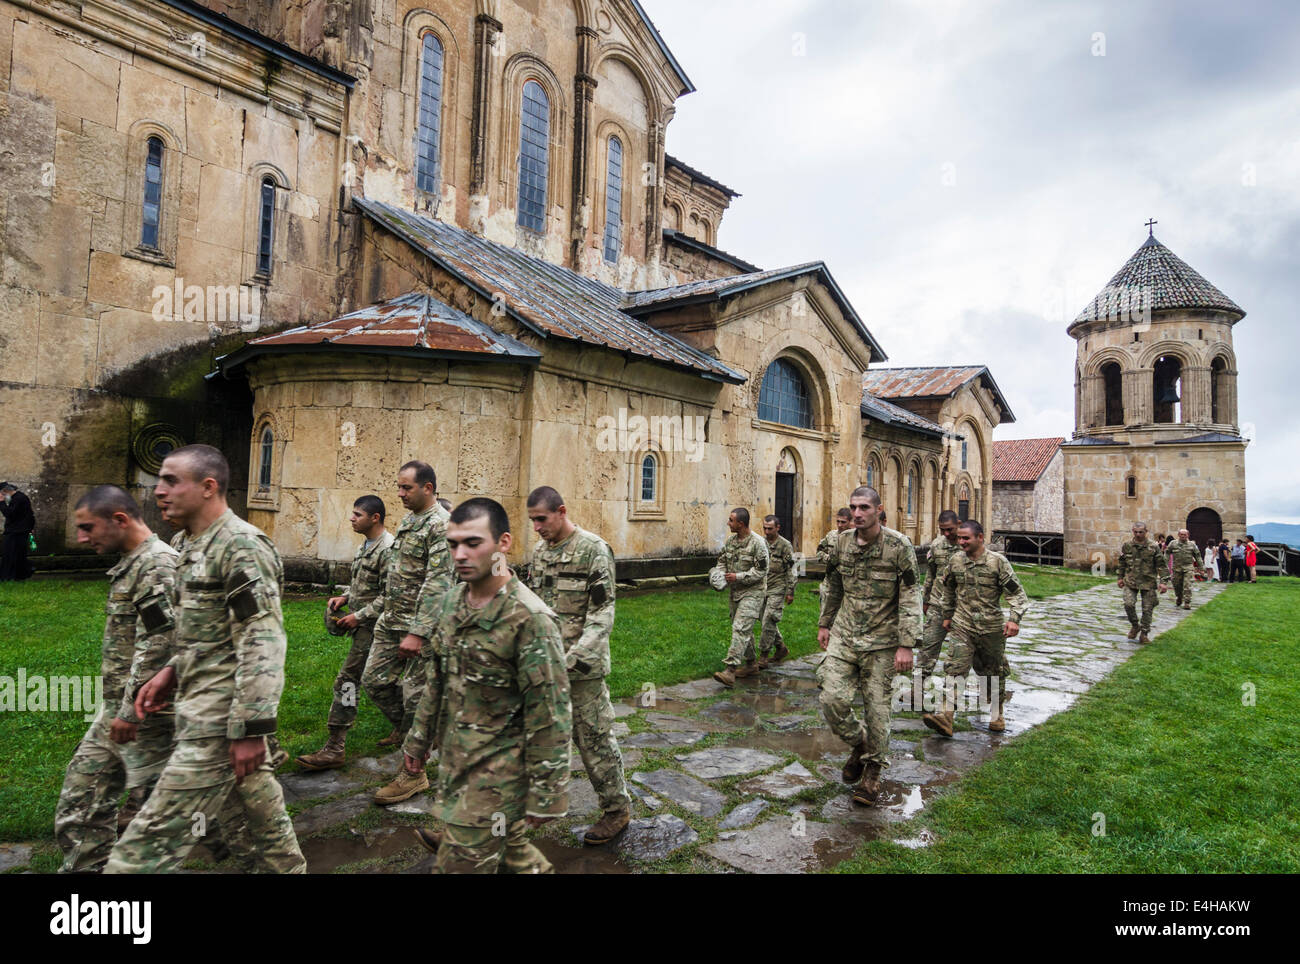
(744, 779)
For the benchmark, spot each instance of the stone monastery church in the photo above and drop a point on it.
(329, 237)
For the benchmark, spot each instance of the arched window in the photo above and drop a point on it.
(911, 490)
(429, 124)
(1166, 384)
(963, 503)
(784, 396)
(1218, 404)
(265, 227)
(871, 472)
(153, 184)
(1113, 388)
(264, 463)
(649, 477)
(1131, 486)
(614, 200)
(534, 143)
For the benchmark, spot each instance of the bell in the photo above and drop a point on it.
(1168, 394)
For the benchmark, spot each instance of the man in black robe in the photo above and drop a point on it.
(19, 523)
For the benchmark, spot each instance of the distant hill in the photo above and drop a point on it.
(1276, 532)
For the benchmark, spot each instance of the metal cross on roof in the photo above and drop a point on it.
(1150, 229)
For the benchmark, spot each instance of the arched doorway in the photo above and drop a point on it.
(787, 496)
(1204, 527)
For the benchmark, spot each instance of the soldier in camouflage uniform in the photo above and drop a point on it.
(744, 560)
(781, 580)
(843, 521)
(869, 623)
(496, 707)
(419, 574)
(369, 572)
(229, 666)
(972, 587)
(119, 750)
(943, 547)
(1140, 569)
(1186, 560)
(572, 571)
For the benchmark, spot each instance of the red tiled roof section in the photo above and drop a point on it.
(917, 382)
(1023, 459)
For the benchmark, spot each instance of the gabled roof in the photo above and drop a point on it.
(718, 289)
(413, 324)
(891, 414)
(548, 299)
(1154, 278)
(1023, 459)
(663, 47)
(696, 175)
(941, 382)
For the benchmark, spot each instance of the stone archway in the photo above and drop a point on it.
(1204, 526)
(788, 499)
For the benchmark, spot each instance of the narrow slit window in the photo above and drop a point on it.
(614, 200)
(428, 131)
(152, 214)
(649, 478)
(1132, 487)
(264, 469)
(534, 144)
(266, 227)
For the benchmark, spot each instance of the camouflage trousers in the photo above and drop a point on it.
(1183, 582)
(931, 642)
(347, 685)
(85, 820)
(1148, 606)
(477, 850)
(593, 724)
(745, 612)
(195, 791)
(986, 652)
(394, 682)
(847, 672)
(773, 610)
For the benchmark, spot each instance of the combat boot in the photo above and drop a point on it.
(781, 654)
(726, 676)
(328, 757)
(404, 786)
(941, 723)
(1144, 638)
(763, 662)
(749, 669)
(851, 772)
(607, 828)
(867, 791)
(396, 738)
(430, 840)
(997, 724)
(1187, 605)
(1133, 632)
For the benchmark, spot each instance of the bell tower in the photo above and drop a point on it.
(1156, 433)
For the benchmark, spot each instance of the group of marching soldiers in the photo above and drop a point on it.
(494, 674)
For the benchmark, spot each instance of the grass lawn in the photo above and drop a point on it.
(1188, 778)
(53, 628)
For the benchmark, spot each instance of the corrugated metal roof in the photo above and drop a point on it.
(931, 382)
(1023, 459)
(1154, 278)
(891, 414)
(547, 298)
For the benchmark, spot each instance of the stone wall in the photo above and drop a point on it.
(1049, 496)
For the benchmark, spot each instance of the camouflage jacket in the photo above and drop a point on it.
(419, 574)
(941, 550)
(972, 592)
(369, 574)
(141, 618)
(496, 707)
(870, 595)
(780, 567)
(747, 558)
(1141, 565)
(825, 546)
(576, 579)
(230, 642)
(1185, 557)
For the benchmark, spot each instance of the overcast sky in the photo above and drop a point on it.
(973, 173)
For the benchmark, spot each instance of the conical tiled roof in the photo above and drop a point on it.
(1153, 279)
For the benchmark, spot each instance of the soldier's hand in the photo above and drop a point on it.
(411, 646)
(154, 695)
(1010, 629)
(120, 731)
(534, 822)
(823, 636)
(902, 660)
(731, 577)
(246, 755)
(947, 624)
(789, 599)
(347, 622)
(1120, 584)
(337, 601)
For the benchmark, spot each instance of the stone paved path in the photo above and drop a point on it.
(745, 779)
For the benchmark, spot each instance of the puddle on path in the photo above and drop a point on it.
(324, 854)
